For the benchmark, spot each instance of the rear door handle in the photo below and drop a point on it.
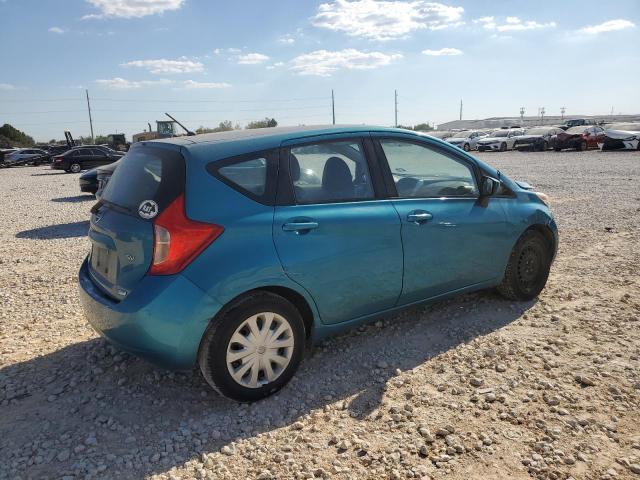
(299, 227)
(419, 216)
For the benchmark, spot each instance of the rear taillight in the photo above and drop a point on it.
(57, 159)
(177, 240)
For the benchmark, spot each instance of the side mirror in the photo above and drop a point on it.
(488, 186)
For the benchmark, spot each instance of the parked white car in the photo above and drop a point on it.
(500, 140)
(621, 136)
(466, 140)
(25, 156)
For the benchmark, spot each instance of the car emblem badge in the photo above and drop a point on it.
(148, 209)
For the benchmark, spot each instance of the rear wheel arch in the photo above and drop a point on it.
(298, 301)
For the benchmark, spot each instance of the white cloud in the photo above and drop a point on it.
(252, 59)
(203, 85)
(232, 51)
(608, 26)
(122, 84)
(7, 86)
(323, 62)
(511, 24)
(57, 30)
(287, 39)
(275, 65)
(385, 19)
(442, 52)
(164, 66)
(132, 8)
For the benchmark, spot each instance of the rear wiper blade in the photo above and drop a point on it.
(116, 207)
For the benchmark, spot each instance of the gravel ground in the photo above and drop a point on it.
(474, 387)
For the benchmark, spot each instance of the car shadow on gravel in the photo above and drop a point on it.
(61, 230)
(75, 199)
(47, 174)
(107, 409)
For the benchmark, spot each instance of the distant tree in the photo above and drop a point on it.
(266, 123)
(100, 139)
(423, 127)
(12, 137)
(406, 127)
(223, 126)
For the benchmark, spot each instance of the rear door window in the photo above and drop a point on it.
(146, 173)
(329, 172)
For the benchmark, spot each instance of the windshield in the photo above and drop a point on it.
(537, 131)
(500, 133)
(146, 173)
(580, 129)
(443, 134)
(632, 127)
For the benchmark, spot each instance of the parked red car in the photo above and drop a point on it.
(581, 138)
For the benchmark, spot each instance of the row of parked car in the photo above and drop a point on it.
(69, 159)
(617, 136)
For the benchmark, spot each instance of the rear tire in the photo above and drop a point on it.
(528, 268)
(75, 168)
(229, 334)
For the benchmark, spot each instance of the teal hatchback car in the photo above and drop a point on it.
(234, 251)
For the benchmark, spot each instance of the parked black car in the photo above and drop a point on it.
(537, 139)
(82, 158)
(89, 181)
(103, 176)
(56, 149)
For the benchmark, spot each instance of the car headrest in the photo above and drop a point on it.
(294, 168)
(336, 176)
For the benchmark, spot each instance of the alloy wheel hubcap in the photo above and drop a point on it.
(260, 349)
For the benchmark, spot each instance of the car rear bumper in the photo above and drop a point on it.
(162, 320)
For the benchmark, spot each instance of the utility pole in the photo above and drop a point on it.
(90, 121)
(333, 107)
(542, 115)
(562, 110)
(521, 115)
(460, 109)
(396, 107)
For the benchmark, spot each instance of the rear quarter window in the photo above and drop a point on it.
(253, 175)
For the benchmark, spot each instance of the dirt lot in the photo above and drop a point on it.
(475, 387)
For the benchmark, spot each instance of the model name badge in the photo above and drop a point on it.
(148, 209)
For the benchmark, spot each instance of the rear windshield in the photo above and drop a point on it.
(579, 129)
(146, 173)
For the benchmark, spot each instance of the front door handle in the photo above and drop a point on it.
(299, 227)
(419, 217)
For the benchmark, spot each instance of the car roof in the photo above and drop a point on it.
(275, 134)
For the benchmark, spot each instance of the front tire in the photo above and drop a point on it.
(528, 268)
(503, 147)
(583, 147)
(253, 348)
(466, 147)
